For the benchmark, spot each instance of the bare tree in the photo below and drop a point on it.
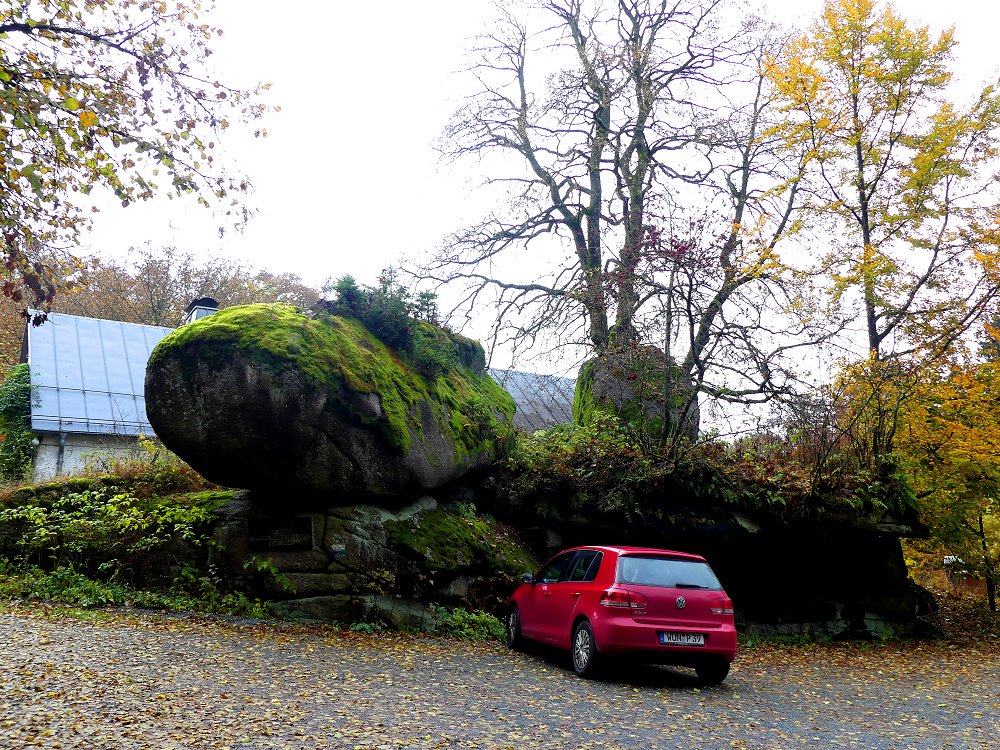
(596, 147)
(646, 156)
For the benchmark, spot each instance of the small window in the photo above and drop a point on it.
(553, 569)
(585, 566)
(666, 571)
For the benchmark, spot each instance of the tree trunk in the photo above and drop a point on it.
(991, 584)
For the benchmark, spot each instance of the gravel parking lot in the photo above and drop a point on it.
(127, 680)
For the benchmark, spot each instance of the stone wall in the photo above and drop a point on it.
(363, 563)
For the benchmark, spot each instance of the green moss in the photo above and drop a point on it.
(470, 353)
(340, 355)
(478, 411)
(46, 493)
(584, 403)
(586, 406)
(209, 500)
(644, 390)
(278, 335)
(445, 541)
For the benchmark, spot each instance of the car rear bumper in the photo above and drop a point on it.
(644, 640)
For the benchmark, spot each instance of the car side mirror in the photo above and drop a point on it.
(527, 578)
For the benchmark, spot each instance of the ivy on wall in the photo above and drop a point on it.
(16, 450)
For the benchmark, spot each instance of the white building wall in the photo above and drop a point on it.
(79, 451)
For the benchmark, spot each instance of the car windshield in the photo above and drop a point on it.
(648, 570)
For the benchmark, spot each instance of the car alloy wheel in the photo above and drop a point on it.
(514, 638)
(584, 650)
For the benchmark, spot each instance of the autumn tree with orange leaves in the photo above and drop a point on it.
(155, 285)
(950, 441)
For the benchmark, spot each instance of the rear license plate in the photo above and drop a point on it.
(668, 638)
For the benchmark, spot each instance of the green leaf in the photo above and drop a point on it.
(28, 171)
(72, 104)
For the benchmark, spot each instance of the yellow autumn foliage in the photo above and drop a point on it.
(950, 443)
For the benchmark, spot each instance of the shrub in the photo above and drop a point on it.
(385, 309)
(406, 324)
(147, 469)
(601, 467)
(594, 465)
(433, 350)
(469, 626)
(93, 529)
(369, 628)
(138, 530)
(87, 547)
(66, 585)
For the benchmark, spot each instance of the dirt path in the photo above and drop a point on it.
(144, 681)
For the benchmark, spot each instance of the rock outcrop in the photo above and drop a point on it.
(636, 385)
(367, 563)
(264, 397)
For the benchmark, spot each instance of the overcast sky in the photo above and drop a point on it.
(348, 179)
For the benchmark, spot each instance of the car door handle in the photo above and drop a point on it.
(575, 594)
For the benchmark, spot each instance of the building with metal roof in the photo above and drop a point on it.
(543, 401)
(88, 377)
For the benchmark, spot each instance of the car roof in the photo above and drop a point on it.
(628, 550)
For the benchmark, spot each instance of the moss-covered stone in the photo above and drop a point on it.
(46, 493)
(637, 386)
(585, 404)
(278, 398)
(145, 486)
(446, 541)
(208, 500)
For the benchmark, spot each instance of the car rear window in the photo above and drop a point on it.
(649, 570)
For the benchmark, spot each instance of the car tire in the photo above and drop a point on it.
(515, 640)
(584, 650)
(712, 671)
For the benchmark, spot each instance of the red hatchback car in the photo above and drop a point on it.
(653, 604)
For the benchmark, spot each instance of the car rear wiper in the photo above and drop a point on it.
(680, 585)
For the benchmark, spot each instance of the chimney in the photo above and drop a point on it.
(200, 308)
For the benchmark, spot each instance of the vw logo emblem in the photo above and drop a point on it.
(681, 602)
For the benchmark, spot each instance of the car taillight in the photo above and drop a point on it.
(722, 606)
(624, 599)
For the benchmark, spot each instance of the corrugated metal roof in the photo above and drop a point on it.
(88, 374)
(543, 401)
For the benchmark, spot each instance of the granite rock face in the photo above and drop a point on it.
(264, 397)
(636, 385)
(365, 563)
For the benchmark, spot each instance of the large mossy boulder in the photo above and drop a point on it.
(265, 397)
